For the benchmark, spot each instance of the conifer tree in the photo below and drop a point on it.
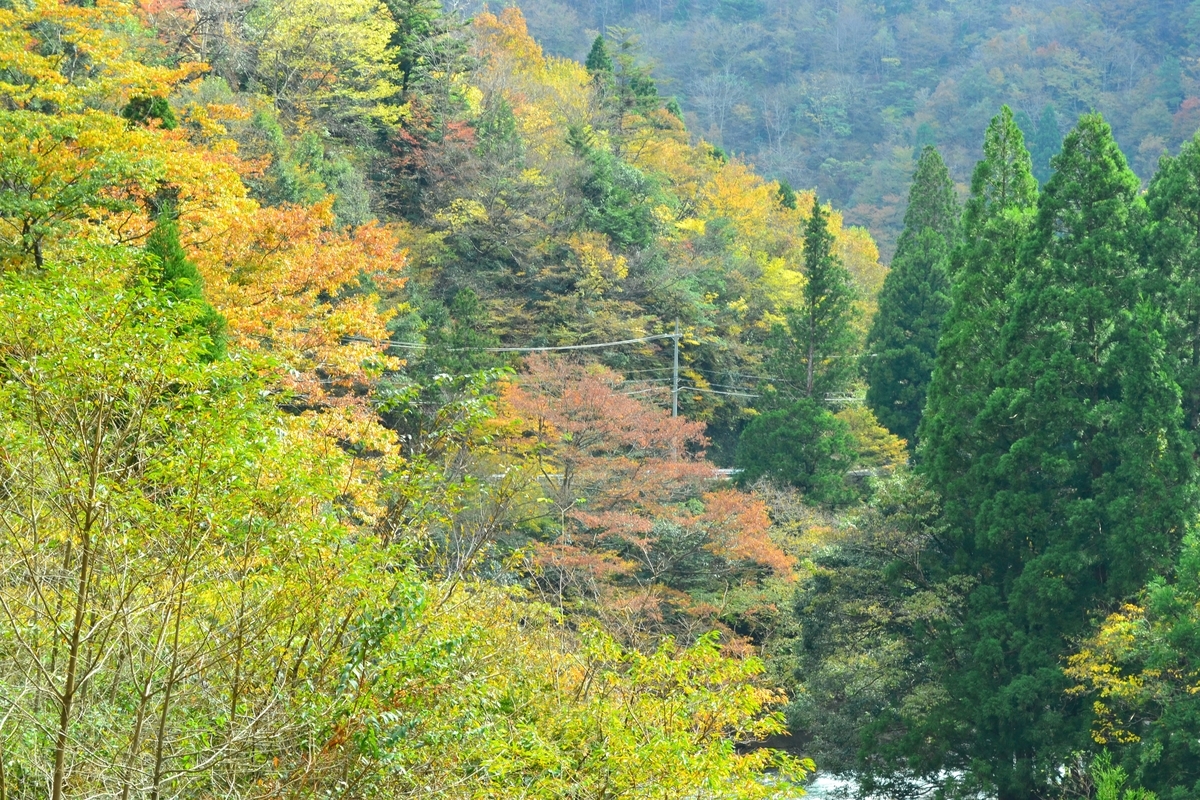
(931, 201)
(996, 218)
(1170, 83)
(803, 445)
(598, 59)
(902, 343)
(1174, 249)
(418, 23)
(815, 352)
(180, 278)
(1046, 144)
(1080, 484)
(787, 195)
(953, 452)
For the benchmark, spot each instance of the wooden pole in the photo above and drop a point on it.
(675, 376)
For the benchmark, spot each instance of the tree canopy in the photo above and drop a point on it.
(902, 344)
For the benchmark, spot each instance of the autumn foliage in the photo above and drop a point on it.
(643, 515)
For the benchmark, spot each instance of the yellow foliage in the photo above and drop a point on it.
(461, 212)
(783, 283)
(268, 269)
(767, 233)
(744, 198)
(860, 254)
(328, 56)
(105, 37)
(687, 168)
(878, 448)
(602, 271)
(547, 95)
(1098, 667)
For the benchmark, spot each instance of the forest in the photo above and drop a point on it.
(843, 95)
(390, 407)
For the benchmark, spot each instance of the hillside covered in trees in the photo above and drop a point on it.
(843, 94)
(391, 409)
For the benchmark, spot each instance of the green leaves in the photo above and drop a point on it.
(804, 445)
(814, 353)
(56, 171)
(1055, 436)
(902, 344)
(181, 279)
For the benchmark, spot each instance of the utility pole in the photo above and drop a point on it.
(675, 375)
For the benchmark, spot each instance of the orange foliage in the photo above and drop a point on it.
(281, 277)
(739, 524)
(636, 500)
(509, 33)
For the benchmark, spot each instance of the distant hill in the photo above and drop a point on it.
(837, 95)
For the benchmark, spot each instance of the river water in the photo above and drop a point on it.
(831, 787)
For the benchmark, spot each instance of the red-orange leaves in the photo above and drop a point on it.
(642, 518)
(738, 528)
(616, 452)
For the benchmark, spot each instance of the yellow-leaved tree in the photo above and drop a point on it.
(211, 578)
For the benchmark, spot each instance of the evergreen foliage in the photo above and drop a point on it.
(142, 109)
(804, 445)
(1080, 483)
(179, 276)
(1046, 144)
(996, 218)
(787, 195)
(932, 203)
(902, 343)
(1173, 241)
(616, 197)
(417, 24)
(815, 352)
(1170, 82)
(457, 337)
(598, 59)
(311, 566)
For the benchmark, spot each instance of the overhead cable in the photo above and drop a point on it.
(594, 346)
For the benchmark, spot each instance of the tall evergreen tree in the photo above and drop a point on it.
(902, 344)
(1174, 247)
(1046, 144)
(1080, 482)
(815, 351)
(932, 204)
(996, 218)
(180, 278)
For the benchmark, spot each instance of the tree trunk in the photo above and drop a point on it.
(808, 387)
(67, 698)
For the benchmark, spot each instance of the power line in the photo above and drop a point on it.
(639, 371)
(595, 346)
(731, 386)
(714, 391)
(675, 389)
(720, 372)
